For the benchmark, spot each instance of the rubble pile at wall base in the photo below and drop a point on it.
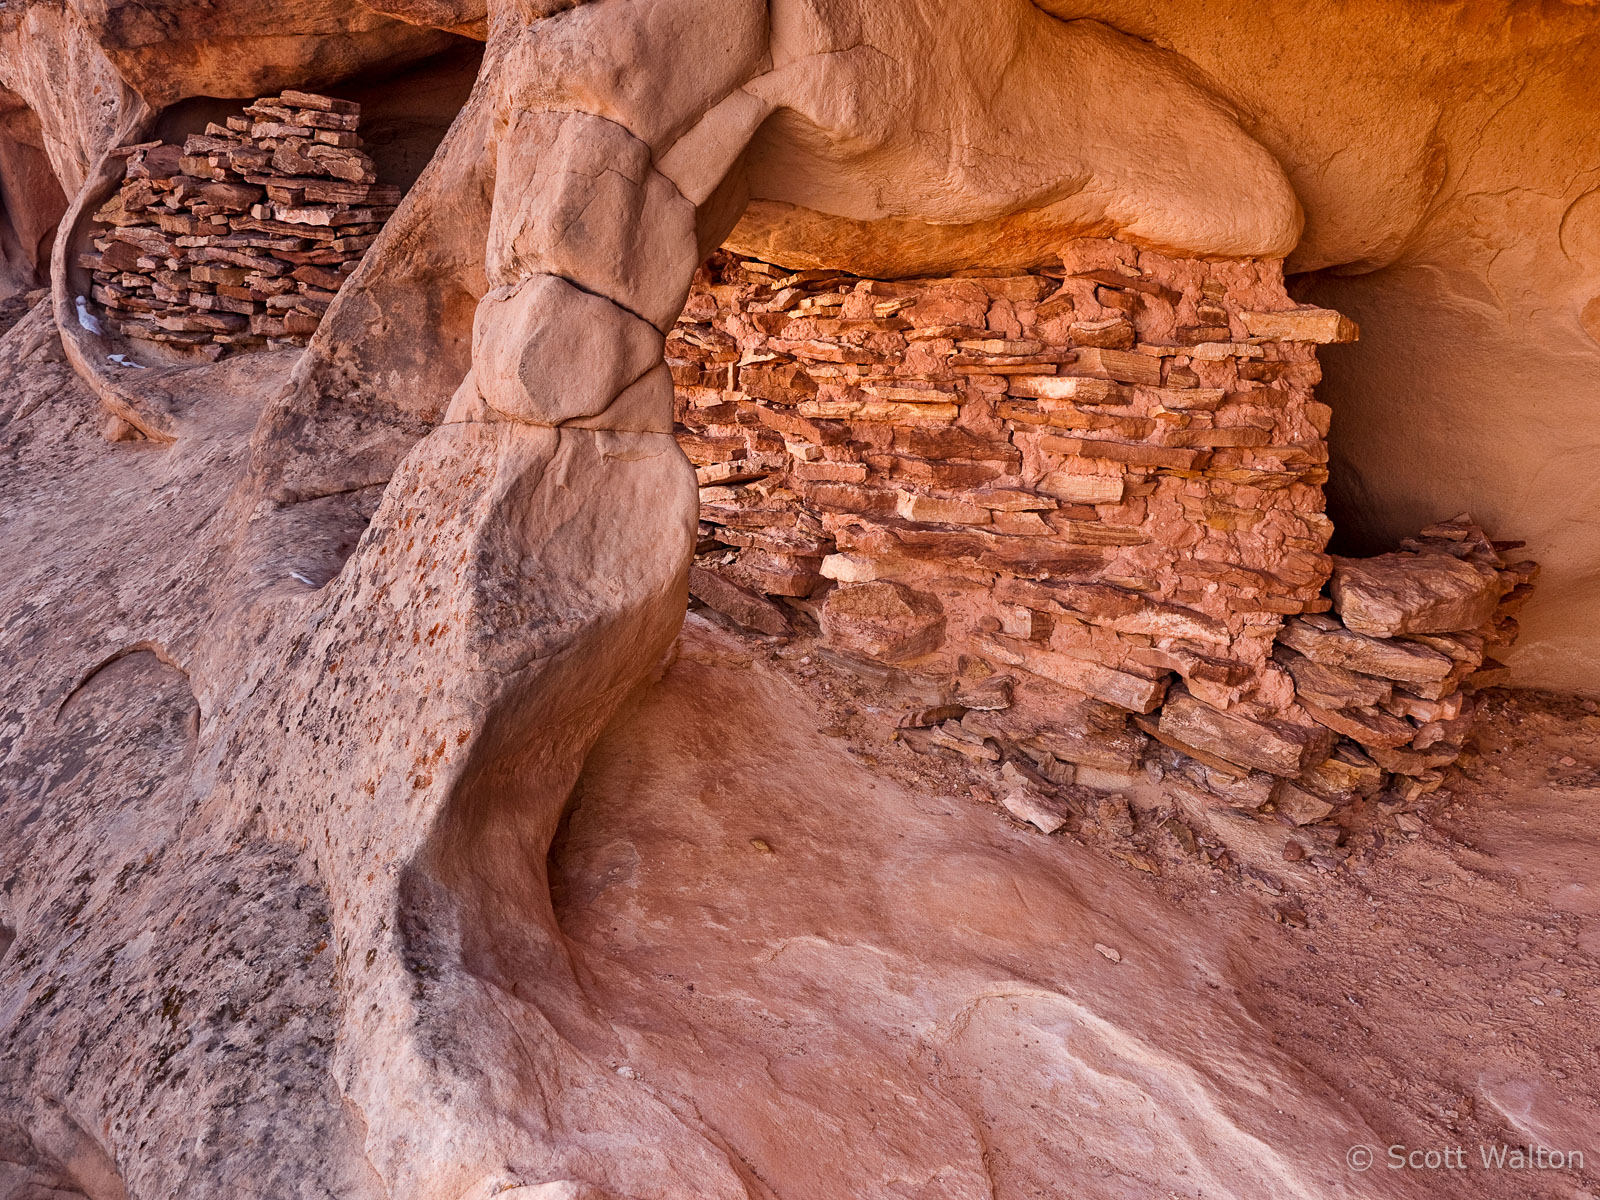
(242, 236)
(1085, 505)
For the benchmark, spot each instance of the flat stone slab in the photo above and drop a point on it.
(1405, 592)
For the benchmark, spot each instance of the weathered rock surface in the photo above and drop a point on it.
(997, 100)
(787, 905)
(884, 620)
(1412, 593)
(1490, 266)
(307, 650)
(169, 50)
(1390, 231)
(31, 199)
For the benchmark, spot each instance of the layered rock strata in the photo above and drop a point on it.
(1085, 499)
(242, 236)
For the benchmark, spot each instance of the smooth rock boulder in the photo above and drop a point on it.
(549, 352)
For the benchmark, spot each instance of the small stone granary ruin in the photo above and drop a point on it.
(241, 236)
(1087, 504)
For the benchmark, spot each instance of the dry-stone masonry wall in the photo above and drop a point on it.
(242, 236)
(1083, 500)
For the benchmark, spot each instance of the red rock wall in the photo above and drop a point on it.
(1103, 481)
(31, 200)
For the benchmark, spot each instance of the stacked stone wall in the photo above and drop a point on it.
(1087, 499)
(242, 236)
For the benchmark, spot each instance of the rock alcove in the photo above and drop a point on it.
(998, 417)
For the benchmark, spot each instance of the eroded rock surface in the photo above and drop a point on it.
(1413, 593)
(307, 650)
(831, 920)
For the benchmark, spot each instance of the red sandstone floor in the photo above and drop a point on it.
(871, 985)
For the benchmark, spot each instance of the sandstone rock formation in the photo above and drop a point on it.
(1397, 163)
(31, 200)
(309, 648)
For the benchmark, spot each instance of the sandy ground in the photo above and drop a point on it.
(872, 984)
